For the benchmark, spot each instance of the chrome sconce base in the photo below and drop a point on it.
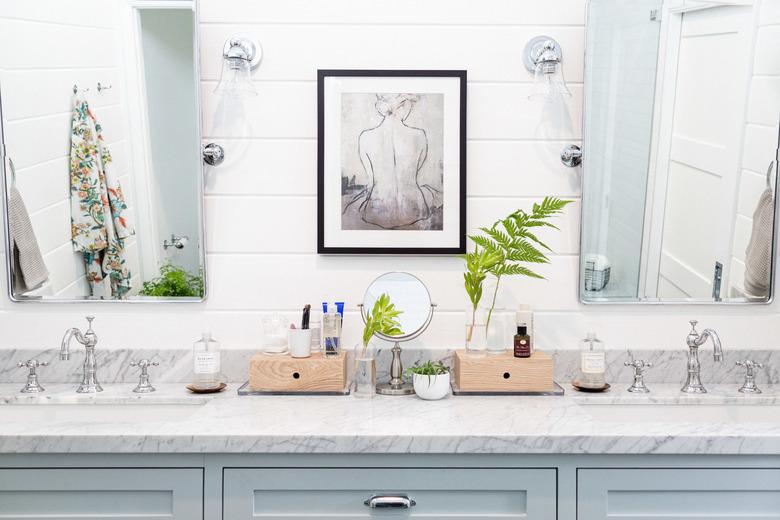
(571, 156)
(213, 154)
(248, 48)
(536, 48)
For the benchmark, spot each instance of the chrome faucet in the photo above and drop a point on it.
(695, 340)
(89, 383)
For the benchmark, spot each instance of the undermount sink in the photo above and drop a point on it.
(684, 413)
(95, 411)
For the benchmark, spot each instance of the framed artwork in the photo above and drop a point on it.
(391, 162)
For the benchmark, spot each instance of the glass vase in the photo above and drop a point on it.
(476, 332)
(364, 372)
(500, 331)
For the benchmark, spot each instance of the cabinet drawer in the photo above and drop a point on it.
(101, 494)
(671, 494)
(465, 494)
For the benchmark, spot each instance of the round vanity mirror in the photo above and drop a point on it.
(409, 295)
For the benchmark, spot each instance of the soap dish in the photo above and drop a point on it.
(195, 390)
(576, 385)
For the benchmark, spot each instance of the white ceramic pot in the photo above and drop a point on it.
(431, 388)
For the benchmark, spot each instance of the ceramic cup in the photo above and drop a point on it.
(431, 388)
(299, 342)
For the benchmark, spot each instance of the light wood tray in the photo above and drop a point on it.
(274, 373)
(504, 373)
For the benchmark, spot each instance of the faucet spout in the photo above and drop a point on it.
(717, 347)
(65, 345)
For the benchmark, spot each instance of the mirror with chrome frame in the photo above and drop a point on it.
(101, 162)
(410, 296)
(680, 152)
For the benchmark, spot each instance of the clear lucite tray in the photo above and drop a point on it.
(245, 389)
(557, 391)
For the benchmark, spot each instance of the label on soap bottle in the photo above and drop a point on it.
(593, 362)
(206, 363)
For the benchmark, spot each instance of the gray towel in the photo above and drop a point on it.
(28, 268)
(758, 255)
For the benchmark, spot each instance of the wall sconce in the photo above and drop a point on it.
(240, 55)
(543, 59)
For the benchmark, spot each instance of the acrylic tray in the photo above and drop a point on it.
(245, 389)
(557, 391)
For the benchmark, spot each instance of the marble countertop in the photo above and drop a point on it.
(172, 420)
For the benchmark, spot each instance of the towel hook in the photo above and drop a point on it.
(769, 174)
(76, 89)
(101, 87)
(12, 169)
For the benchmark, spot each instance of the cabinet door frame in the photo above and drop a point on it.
(184, 483)
(595, 483)
(240, 485)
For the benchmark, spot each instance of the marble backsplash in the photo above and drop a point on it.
(669, 366)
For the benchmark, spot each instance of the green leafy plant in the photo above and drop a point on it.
(174, 281)
(429, 368)
(478, 264)
(383, 319)
(514, 242)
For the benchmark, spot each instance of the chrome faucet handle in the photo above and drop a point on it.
(32, 386)
(749, 386)
(639, 366)
(144, 386)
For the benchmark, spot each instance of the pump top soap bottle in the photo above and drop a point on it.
(593, 363)
(206, 366)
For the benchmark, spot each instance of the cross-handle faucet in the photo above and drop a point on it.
(639, 366)
(89, 383)
(695, 340)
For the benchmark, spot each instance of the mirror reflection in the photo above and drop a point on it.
(408, 293)
(102, 164)
(681, 145)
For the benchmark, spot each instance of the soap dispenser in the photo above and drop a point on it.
(206, 363)
(593, 363)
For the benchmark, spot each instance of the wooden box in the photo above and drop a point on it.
(503, 372)
(317, 373)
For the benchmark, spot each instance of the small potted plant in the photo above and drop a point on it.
(431, 380)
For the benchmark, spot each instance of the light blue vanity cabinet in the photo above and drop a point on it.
(655, 494)
(101, 493)
(441, 493)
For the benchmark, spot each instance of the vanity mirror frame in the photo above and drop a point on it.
(130, 11)
(652, 164)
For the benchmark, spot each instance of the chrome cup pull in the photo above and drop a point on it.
(390, 502)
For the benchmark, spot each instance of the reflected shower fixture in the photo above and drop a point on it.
(176, 241)
(240, 55)
(543, 58)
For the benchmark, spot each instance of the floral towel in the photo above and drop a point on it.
(98, 229)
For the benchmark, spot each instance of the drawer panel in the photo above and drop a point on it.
(101, 494)
(465, 494)
(671, 494)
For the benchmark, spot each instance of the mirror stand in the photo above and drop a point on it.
(396, 385)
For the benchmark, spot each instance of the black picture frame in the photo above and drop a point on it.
(322, 74)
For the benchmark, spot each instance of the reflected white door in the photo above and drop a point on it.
(703, 173)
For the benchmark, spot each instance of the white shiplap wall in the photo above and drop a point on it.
(46, 48)
(260, 205)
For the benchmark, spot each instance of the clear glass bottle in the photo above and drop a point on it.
(206, 369)
(593, 362)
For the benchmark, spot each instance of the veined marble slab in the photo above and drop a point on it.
(669, 366)
(229, 423)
